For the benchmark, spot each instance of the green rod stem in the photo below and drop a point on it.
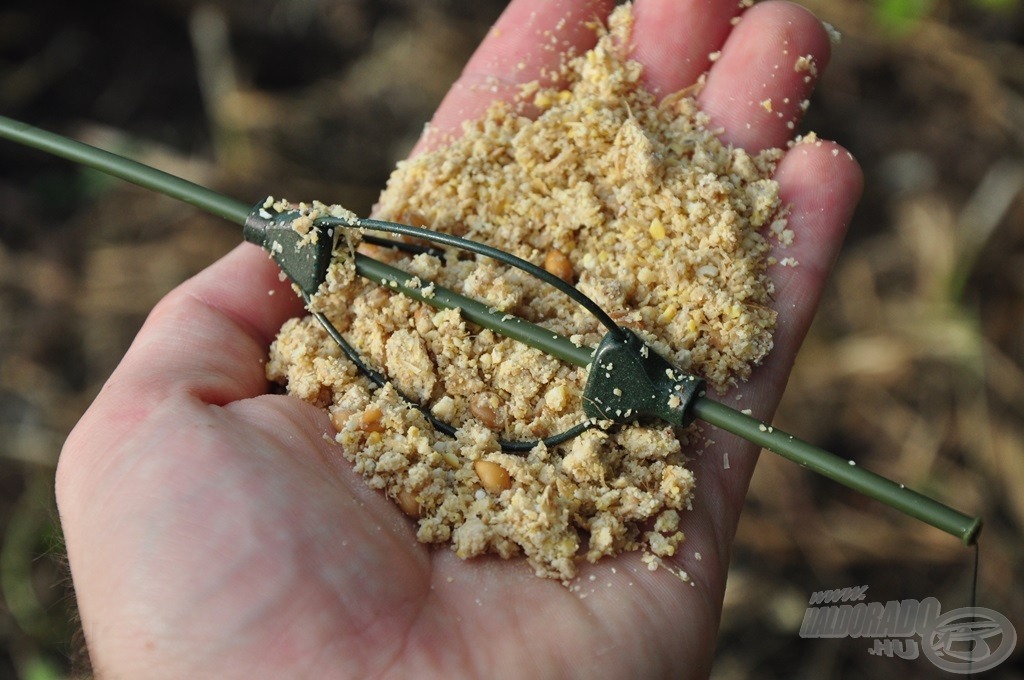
(126, 169)
(843, 471)
(895, 495)
(472, 310)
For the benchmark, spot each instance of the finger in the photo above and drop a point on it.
(674, 39)
(757, 89)
(821, 183)
(527, 43)
(208, 338)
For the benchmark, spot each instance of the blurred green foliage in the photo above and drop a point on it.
(902, 15)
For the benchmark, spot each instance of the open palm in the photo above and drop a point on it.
(214, 530)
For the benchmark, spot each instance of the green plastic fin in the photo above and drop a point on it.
(629, 381)
(304, 258)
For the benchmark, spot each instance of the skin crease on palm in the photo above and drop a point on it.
(214, 530)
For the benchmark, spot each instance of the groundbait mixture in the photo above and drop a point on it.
(633, 200)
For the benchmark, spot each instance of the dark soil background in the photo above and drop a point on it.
(914, 368)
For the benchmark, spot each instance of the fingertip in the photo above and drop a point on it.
(247, 286)
(674, 39)
(820, 183)
(820, 177)
(757, 90)
(528, 42)
(208, 338)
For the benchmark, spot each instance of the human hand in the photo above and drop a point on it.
(213, 529)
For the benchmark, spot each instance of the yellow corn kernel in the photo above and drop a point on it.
(657, 230)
